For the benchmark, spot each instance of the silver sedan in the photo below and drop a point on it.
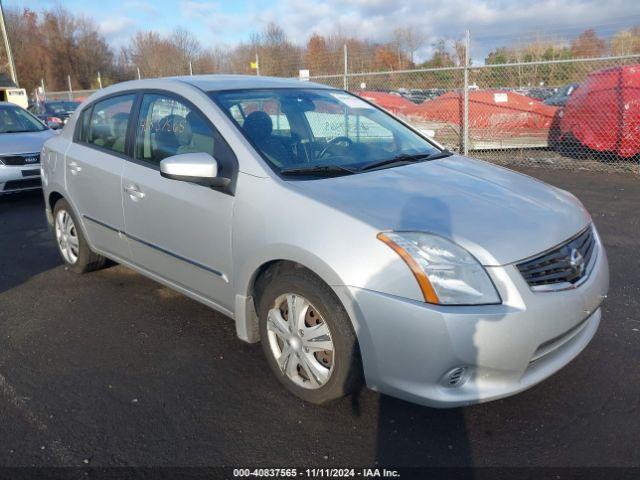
(21, 138)
(355, 249)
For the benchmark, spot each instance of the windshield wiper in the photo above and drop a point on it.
(405, 158)
(318, 170)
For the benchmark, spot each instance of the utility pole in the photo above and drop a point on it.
(190, 69)
(345, 78)
(138, 69)
(465, 120)
(70, 88)
(7, 47)
(99, 80)
(257, 65)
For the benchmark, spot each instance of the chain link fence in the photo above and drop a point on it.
(569, 114)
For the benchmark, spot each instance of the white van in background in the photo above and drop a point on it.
(14, 95)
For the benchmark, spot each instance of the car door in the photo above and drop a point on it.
(178, 230)
(94, 162)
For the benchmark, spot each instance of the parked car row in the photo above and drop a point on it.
(419, 95)
(54, 113)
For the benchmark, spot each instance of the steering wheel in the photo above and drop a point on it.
(333, 142)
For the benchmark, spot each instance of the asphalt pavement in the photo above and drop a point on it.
(113, 369)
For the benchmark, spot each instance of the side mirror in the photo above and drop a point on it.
(200, 168)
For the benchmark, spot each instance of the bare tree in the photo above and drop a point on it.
(408, 41)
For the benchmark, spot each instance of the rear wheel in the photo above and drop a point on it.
(307, 337)
(72, 245)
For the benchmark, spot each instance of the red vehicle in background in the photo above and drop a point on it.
(395, 104)
(603, 114)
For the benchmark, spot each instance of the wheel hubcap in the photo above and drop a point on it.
(67, 236)
(300, 341)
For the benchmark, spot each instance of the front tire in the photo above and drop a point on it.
(307, 337)
(72, 245)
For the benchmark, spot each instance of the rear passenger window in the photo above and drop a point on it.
(109, 122)
(170, 127)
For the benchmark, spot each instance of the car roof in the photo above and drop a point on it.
(233, 82)
(217, 82)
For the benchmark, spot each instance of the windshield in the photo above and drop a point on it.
(15, 120)
(307, 128)
(61, 107)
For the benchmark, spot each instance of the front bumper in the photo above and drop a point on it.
(407, 346)
(19, 178)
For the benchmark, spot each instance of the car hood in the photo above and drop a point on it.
(498, 215)
(27, 142)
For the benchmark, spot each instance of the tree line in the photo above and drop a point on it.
(54, 46)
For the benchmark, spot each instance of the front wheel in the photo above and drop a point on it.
(72, 245)
(307, 337)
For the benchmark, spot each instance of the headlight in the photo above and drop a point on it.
(446, 272)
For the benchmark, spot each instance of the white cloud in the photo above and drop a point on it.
(487, 19)
(116, 25)
(193, 9)
(139, 6)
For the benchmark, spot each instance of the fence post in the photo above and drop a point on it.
(345, 78)
(70, 89)
(465, 120)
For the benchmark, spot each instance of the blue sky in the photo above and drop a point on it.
(492, 22)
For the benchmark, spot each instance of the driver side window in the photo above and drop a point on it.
(169, 127)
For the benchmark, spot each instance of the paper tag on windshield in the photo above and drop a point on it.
(351, 101)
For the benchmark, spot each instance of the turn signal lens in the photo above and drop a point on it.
(425, 285)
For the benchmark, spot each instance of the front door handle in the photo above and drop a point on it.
(134, 192)
(74, 168)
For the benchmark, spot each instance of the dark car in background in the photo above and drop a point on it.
(54, 113)
(559, 99)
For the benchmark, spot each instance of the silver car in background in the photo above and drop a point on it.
(21, 138)
(355, 249)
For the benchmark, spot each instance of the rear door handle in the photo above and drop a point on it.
(134, 193)
(74, 168)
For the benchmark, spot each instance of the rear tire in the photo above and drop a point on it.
(323, 362)
(72, 245)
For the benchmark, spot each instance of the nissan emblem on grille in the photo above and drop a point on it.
(576, 260)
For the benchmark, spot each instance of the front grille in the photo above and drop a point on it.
(23, 159)
(566, 264)
(19, 184)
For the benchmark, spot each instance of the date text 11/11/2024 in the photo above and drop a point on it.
(316, 473)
